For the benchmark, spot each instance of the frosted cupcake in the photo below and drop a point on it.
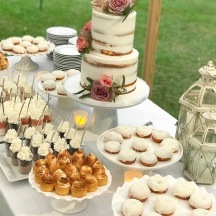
(63, 127)
(14, 149)
(69, 134)
(29, 132)
(75, 143)
(24, 160)
(8, 138)
(60, 145)
(44, 150)
(47, 128)
(36, 141)
(52, 137)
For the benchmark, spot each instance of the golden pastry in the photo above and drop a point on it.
(62, 187)
(69, 169)
(78, 159)
(47, 183)
(79, 188)
(102, 178)
(49, 159)
(54, 166)
(92, 183)
(64, 153)
(58, 174)
(38, 163)
(85, 170)
(64, 161)
(39, 173)
(98, 168)
(90, 159)
(73, 177)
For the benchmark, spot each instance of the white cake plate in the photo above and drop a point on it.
(69, 204)
(105, 115)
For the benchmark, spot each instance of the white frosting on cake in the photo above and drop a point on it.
(132, 207)
(201, 199)
(95, 65)
(113, 136)
(110, 33)
(139, 190)
(157, 183)
(201, 212)
(112, 146)
(183, 188)
(164, 205)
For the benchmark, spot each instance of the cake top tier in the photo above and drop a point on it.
(117, 7)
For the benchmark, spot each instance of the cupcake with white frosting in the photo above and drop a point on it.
(75, 143)
(60, 145)
(24, 160)
(8, 138)
(44, 150)
(14, 149)
(69, 134)
(63, 127)
(29, 132)
(52, 137)
(47, 128)
(36, 141)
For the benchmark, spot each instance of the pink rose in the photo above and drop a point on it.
(82, 44)
(87, 26)
(106, 81)
(118, 6)
(100, 92)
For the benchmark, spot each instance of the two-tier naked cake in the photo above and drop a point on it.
(109, 45)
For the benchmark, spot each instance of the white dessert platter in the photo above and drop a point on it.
(11, 172)
(69, 204)
(26, 63)
(127, 144)
(104, 115)
(182, 206)
(63, 101)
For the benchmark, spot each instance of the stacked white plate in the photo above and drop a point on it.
(66, 57)
(59, 35)
(72, 41)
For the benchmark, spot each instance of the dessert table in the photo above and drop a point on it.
(20, 199)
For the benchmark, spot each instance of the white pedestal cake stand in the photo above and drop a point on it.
(105, 115)
(69, 204)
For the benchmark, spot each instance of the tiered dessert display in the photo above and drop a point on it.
(26, 47)
(109, 65)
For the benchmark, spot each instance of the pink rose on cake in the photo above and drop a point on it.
(100, 92)
(119, 6)
(84, 40)
(106, 81)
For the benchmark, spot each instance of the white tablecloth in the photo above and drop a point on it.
(19, 198)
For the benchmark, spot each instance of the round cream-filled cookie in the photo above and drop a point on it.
(201, 212)
(49, 85)
(7, 46)
(38, 39)
(201, 199)
(112, 147)
(172, 143)
(17, 49)
(163, 153)
(143, 131)
(48, 76)
(32, 49)
(25, 43)
(43, 46)
(15, 40)
(127, 156)
(183, 189)
(152, 214)
(139, 190)
(113, 136)
(159, 135)
(132, 207)
(148, 159)
(27, 38)
(157, 184)
(125, 131)
(59, 74)
(140, 145)
(61, 90)
(165, 205)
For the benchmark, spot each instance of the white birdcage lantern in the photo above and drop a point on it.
(200, 163)
(200, 97)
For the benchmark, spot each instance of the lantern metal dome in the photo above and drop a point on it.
(200, 163)
(200, 97)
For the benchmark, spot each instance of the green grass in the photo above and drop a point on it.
(186, 40)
